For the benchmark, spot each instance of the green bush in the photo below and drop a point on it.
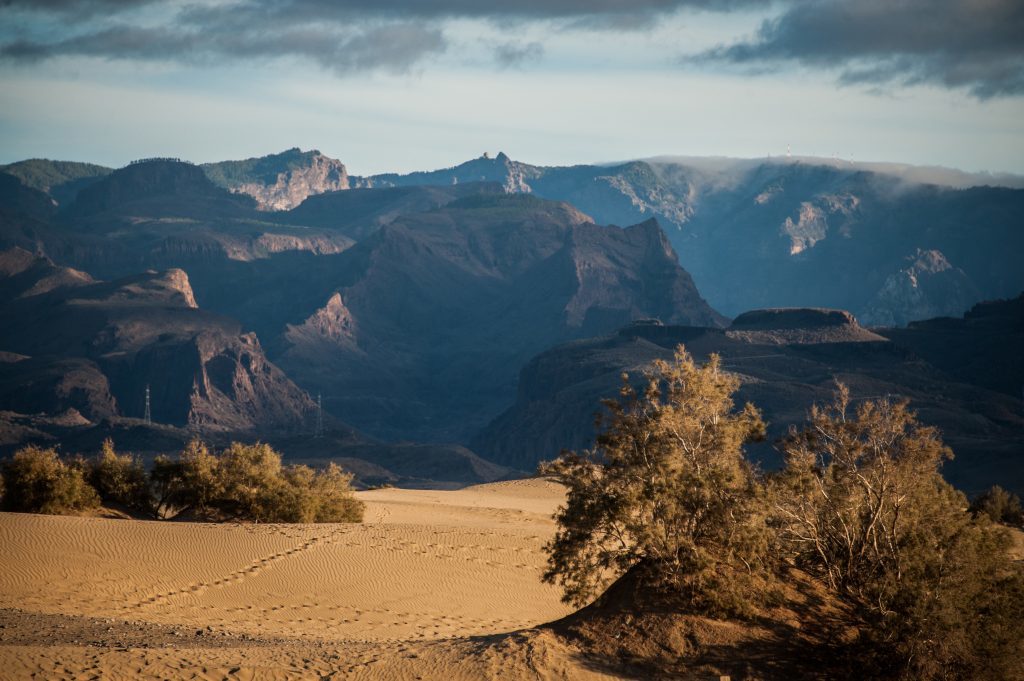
(249, 482)
(668, 491)
(999, 506)
(37, 481)
(332, 488)
(932, 591)
(195, 480)
(119, 479)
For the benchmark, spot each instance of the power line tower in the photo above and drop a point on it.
(319, 415)
(149, 414)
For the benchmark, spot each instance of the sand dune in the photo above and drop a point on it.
(429, 586)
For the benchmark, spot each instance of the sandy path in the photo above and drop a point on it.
(424, 572)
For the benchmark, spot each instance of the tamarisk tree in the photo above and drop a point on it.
(666, 491)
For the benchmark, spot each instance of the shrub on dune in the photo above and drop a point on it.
(249, 482)
(667, 492)
(119, 479)
(37, 481)
(861, 503)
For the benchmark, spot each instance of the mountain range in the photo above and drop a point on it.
(410, 306)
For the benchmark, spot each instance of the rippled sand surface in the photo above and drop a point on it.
(434, 584)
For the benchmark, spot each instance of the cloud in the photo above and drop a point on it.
(977, 45)
(393, 46)
(514, 55)
(341, 35)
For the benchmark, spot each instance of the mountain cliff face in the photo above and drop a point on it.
(124, 335)
(434, 313)
(159, 214)
(786, 360)
(928, 286)
(787, 233)
(280, 181)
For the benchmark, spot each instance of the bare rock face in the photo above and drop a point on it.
(331, 325)
(54, 386)
(171, 288)
(432, 314)
(96, 346)
(281, 181)
(929, 286)
(235, 388)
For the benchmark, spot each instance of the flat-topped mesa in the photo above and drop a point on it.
(792, 318)
(799, 325)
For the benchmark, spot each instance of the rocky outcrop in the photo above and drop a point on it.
(281, 181)
(332, 326)
(927, 287)
(53, 386)
(96, 346)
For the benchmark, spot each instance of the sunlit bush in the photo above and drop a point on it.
(37, 481)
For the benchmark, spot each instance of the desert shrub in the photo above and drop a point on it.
(999, 506)
(37, 481)
(119, 479)
(249, 482)
(252, 486)
(862, 504)
(332, 488)
(195, 481)
(666, 490)
(165, 486)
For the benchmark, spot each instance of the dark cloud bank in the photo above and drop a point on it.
(977, 45)
(973, 44)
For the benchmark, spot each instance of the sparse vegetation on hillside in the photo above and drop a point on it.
(230, 174)
(667, 491)
(922, 590)
(245, 482)
(44, 174)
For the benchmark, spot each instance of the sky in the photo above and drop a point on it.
(402, 85)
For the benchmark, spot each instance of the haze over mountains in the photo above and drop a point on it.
(413, 304)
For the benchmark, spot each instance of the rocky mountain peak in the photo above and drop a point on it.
(281, 181)
(928, 286)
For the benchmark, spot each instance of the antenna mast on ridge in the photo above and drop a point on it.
(319, 415)
(149, 415)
